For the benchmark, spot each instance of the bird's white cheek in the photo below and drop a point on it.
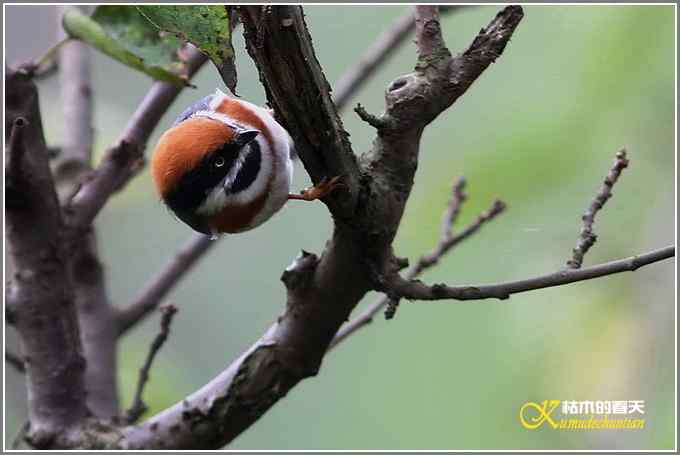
(217, 200)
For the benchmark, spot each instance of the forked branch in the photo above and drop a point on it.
(416, 290)
(366, 218)
(447, 241)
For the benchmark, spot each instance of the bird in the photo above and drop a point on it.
(225, 166)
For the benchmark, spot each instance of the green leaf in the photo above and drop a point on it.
(125, 35)
(205, 26)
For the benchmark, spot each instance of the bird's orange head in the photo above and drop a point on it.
(200, 157)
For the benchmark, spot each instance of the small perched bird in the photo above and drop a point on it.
(225, 166)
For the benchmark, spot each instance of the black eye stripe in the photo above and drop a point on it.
(193, 187)
(228, 152)
(249, 170)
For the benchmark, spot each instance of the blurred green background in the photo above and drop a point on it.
(539, 129)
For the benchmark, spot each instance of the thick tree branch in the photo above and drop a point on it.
(287, 64)
(98, 335)
(447, 241)
(587, 238)
(159, 286)
(367, 216)
(416, 290)
(138, 406)
(119, 162)
(45, 313)
(376, 55)
(321, 291)
(414, 100)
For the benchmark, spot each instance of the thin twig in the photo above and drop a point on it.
(159, 286)
(16, 361)
(377, 122)
(416, 290)
(449, 241)
(588, 238)
(446, 242)
(138, 406)
(458, 197)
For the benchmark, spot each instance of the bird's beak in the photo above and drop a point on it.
(243, 137)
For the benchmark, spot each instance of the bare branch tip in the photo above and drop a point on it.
(587, 238)
(622, 160)
(498, 207)
(377, 122)
(138, 406)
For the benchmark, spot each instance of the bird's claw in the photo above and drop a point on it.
(318, 191)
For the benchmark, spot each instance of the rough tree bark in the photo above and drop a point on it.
(44, 312)
(322, 291)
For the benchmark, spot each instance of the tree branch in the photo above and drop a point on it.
(45, 314)
(159, 286)
(98, 335)
(119, 162)
(415, 290)
(398, 287)
(587, 238)
(138, 406)
(447, 241)
(366, 217)
(287, 64)
(376, 55)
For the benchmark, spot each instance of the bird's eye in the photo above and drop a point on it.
(219, 161)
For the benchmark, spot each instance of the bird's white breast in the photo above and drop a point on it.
(276, 168)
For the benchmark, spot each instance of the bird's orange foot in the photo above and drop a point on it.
(321, 189)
